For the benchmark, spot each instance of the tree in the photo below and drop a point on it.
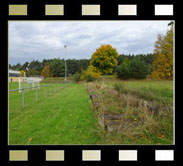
(25, 66)
(162, 67)
(32, 73)
(105, 59)
(46, 71)
(36, 66)
(17, 67)
(138, 69)
(123, 70)
(22, 73)
(57, 68)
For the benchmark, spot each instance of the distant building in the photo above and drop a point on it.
(14, 76)
(13, 73)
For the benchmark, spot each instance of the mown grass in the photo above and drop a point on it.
(63, 118)
(56, 79)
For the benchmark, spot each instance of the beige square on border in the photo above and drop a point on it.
(91, 155)
(129, 10)
(17, 10)
(90, 10)
(54, 10)
(54, 155)
(127, 155)
(18, 155)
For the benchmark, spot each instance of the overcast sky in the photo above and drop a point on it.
(37, 40)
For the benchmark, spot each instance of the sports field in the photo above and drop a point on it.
(65, 117)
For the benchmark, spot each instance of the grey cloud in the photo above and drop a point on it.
(38, 40)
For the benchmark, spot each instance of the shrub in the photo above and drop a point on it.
(123, 71)
(136, 68)
(89, 78)
(77, 77)
(90, 74)
(139, 69)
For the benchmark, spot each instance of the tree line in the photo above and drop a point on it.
(53, 67)
(56, 67)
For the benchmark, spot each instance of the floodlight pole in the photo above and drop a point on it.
(65, 65)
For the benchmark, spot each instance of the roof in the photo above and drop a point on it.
(13, 71)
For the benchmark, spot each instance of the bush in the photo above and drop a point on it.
(139, 69)
(136, 69)
(90, 74)
(123, 71)
(77, 77)
(89, 78)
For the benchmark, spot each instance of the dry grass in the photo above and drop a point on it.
(145, 121)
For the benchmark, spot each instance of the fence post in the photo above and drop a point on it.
(50, 89)
(19, 84)
(45, 91)
(36, 94)
(22, 98)
(54, 89)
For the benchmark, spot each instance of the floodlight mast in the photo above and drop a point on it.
(65, 64)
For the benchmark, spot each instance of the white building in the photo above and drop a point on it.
(13, 73)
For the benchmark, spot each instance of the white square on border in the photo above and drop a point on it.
(164, 155)
(127, 155)
(163, 10)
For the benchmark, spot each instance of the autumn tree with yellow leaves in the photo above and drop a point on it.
(46, 71)
(22, 73)
(162, 66)
(104, 59)
(90, 72)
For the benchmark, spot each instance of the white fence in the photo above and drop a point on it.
(47, 90)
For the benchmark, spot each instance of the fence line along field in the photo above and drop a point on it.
(63, 118)
(28, 94)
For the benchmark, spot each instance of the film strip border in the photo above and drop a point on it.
(28, 9)
(87, 9)
(91, 10)
(90, 155)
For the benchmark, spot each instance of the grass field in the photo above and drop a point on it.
(63, 118)
(67, 116)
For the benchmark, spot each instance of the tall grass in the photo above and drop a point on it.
(147, 109)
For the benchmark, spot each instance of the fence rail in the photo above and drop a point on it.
(53, 88)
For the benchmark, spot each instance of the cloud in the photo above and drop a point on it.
(38, 40)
